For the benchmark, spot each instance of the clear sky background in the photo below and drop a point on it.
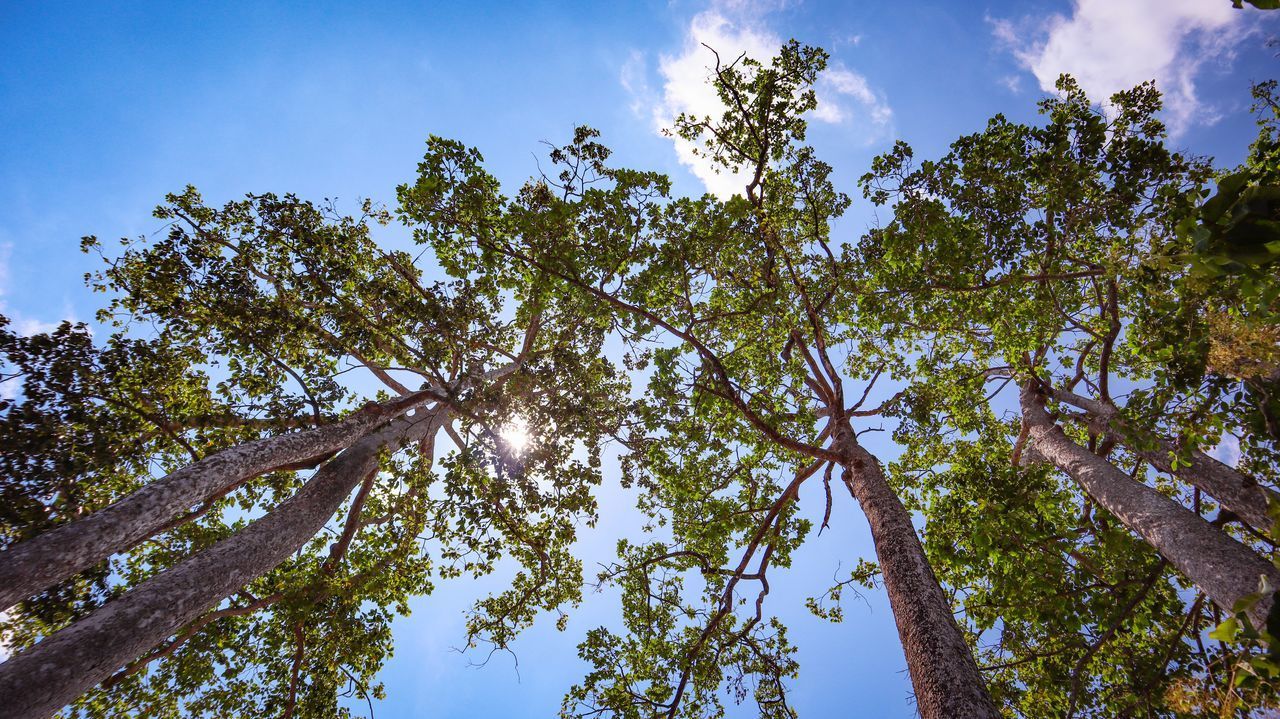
(104, 109)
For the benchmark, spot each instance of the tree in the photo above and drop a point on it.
(1259, 4)
(1050, 258)
(1234, 243)
(165, 549)
(213, 589)
(752, 394)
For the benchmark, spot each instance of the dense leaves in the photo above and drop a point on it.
(1059, 254)
(273, 314)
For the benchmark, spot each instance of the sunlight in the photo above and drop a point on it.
(515, 434)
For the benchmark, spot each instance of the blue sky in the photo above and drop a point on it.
(105, 109)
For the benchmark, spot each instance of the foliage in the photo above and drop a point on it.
(1081, 253)
(250, 320)
(1062, 252)
(1259, 4)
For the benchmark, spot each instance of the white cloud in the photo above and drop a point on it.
(27, 326)
(686, 88)
(844, 96)
(18, 322)
(1227, 450)
(840, 81)
(634, 81)
(1113, 45)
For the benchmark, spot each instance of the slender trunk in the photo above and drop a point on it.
(1235, 491)
(943, 672)
(1224, 569)
(30, 567)
(42, 679)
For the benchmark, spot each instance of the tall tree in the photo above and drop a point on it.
(163, 547)
(756, 375)
(203, 579)
(1052, 259)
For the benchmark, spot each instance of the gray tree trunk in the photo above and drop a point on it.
(1235, 491)
(45, 677)
(30, 567)
(944, 675)
(1224, 569)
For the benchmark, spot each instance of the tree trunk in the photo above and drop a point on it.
(30, 567)
(943, 672)
(1235, 491)
(42, 679)
(1224, 569)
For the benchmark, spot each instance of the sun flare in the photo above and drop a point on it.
(515, 435)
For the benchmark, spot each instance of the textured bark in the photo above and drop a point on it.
(30, 567)
(42, 679)
(1224, 569)
(944, 675)
(1235, 491)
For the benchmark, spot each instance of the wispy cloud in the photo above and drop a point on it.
(635, 81)
(20, 323)
(1012, 82)
(844, 96)
(1113, 45)
(838, 87)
